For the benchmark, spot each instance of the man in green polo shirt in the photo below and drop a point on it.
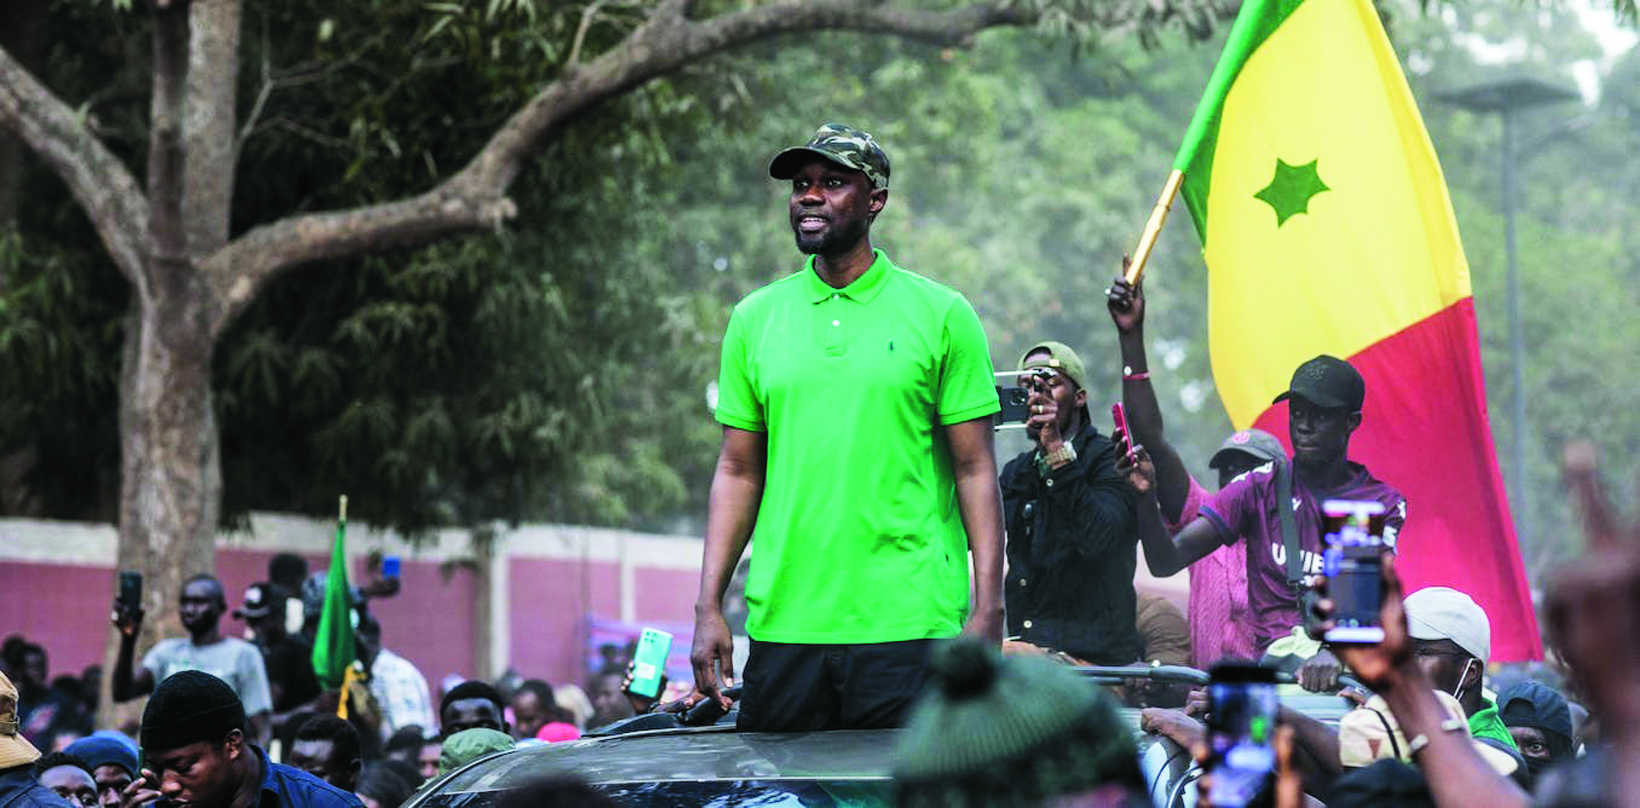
(856, 402)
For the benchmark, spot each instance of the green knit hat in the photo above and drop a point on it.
(1015, 731)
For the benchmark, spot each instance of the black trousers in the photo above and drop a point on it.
(801, 688)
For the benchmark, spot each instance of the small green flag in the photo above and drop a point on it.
(333, 645)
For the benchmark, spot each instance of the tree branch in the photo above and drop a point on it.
(475, 197)
(100, 183)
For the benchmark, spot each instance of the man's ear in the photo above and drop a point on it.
(234, 745)
(355, 765)
(879, 200)
(1354, 421)
(1472, 675)
(1082, 397)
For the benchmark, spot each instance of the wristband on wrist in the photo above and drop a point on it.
(1421, 740)
(1128, 374)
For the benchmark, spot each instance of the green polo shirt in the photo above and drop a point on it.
(858, 537)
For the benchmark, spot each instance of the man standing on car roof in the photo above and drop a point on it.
(856, 401)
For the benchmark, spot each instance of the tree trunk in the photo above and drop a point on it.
(171, 477)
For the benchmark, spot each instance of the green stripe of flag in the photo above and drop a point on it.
(1256, 22)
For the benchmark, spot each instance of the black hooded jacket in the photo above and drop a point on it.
(1072, 539)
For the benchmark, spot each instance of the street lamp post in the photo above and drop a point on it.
(1509, 98)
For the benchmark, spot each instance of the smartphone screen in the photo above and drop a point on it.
(1241, 729)
(649, 663)
(1353, 534)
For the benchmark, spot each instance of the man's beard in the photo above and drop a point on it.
(833, 240)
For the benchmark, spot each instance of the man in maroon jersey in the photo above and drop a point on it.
(1324, 408)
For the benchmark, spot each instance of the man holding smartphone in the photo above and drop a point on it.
(1070, 524)
(856, 401)
(1324, 398)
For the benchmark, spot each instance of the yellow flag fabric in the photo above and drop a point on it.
(1327, 229)
(1324, 204)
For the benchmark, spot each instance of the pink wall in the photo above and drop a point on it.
(430, 621)
(549, 598)
(665, 596)
(63, 608)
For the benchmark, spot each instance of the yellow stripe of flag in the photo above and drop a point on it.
(1325, 210)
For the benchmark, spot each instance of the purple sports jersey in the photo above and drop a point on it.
(1247, 507)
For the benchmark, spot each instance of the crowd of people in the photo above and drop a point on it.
(225, 714)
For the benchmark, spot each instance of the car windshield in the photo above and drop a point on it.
(715, 793)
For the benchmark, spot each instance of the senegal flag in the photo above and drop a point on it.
(1326, 228)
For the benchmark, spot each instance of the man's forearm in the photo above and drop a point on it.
(974, 466)
(980, 502)
(1162, 556)
(730, 514)
(1144, 417)
(123, 685)
(1319, 744)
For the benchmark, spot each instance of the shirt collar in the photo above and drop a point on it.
(862, 290)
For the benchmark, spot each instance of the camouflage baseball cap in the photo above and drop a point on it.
(843, 145)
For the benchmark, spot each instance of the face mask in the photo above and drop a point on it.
(1461, 677)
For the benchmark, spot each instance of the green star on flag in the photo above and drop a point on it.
(1290, 190)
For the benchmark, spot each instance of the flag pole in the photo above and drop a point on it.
(1153, 228)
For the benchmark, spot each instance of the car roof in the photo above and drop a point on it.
(695, 754)
(720, 753)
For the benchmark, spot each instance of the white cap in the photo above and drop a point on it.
(1444, 613)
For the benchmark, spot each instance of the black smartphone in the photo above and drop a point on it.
(130, 592)
(1241, 727)
(1016, 400)
(1352, 560)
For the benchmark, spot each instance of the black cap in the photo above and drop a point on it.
(258, 603)
(1327, 381)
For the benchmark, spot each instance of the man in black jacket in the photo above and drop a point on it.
(1070, 520)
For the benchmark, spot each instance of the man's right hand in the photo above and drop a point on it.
(1138, 471)
(127, 618)
(141, 791)
(713, 652)
(1125, 302)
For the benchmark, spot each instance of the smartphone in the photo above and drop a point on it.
(390, 567)
(1118, 414)
(1241, 726)
(649, 663)
(130, 592)
(1352, 560)
(1016, 400)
